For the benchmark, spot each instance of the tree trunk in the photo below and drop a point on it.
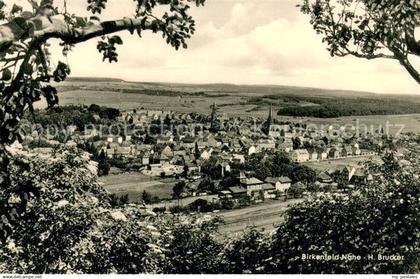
(410, 69)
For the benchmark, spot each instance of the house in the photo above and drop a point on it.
(164, 168)
(71, 129)
(43, 150)
(356, 150)
(164, 139)
(300, 155)
(188, 142)
(128, 138)
(252, 185)
(284, 183)
(145, 158)
(123, 151)
(205, 155)
(224, 167)
(324, 178)
(252, 150)
(288, 135)
(167, 151)
(164, 158)
(313, 156)
(281, 184)
(236, 146)
(212, 142)
(365, 152)
(115, 139)
(238, 192)
(348, 150)
(343, 174)
(286, 146)
(225, 194)
(110, 152)
(359, 177)
(262, 145)
(192, 167)
(334, 153)
(269, 191)
(272, 180)
(323, 154)
(238, 158)
(178, 160)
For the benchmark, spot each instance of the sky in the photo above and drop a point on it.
(240, 42)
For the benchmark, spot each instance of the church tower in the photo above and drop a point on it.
(268, 122)
(214, 126)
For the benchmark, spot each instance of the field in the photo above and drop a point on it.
(342, 162)
(234, 100)
(134, 184)
(264, 216)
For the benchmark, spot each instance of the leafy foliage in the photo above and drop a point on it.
(382, 219)
(27, 66)
(368, 29)
(55, 218)
(192, 248)
(279, 164)
(248, 254)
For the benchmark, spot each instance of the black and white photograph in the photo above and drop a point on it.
(229, 137)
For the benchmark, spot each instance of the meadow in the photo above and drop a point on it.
(342, 162)
(241, 101)
(133, 185)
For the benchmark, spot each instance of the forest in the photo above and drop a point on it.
(330, 107)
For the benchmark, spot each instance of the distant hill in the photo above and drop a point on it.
(287, 100)
(230, 88)
(93, 79)
(262, 89)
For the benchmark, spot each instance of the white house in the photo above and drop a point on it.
(284, 183)
(205, 155)
(300, 155)
(238, 158)
(252, 150)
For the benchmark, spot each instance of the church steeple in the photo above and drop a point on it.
(214, 112)
(213, 118)
(270, 115)
(269, 122)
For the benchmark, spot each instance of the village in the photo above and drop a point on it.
(208, 157)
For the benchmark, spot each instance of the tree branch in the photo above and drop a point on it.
(57, 27)
(366, 56)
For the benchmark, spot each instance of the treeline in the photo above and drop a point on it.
(279, 164)
(76, 115)
(329, 107)
(168, 93)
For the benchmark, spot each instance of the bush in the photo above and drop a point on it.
(247, 254)
(159, 209)
(55, 218)
(194, 249)
(382, 219)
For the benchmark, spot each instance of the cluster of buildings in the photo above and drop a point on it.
(181, 143)
(233, 142)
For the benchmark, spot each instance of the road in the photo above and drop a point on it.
(264, 216)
